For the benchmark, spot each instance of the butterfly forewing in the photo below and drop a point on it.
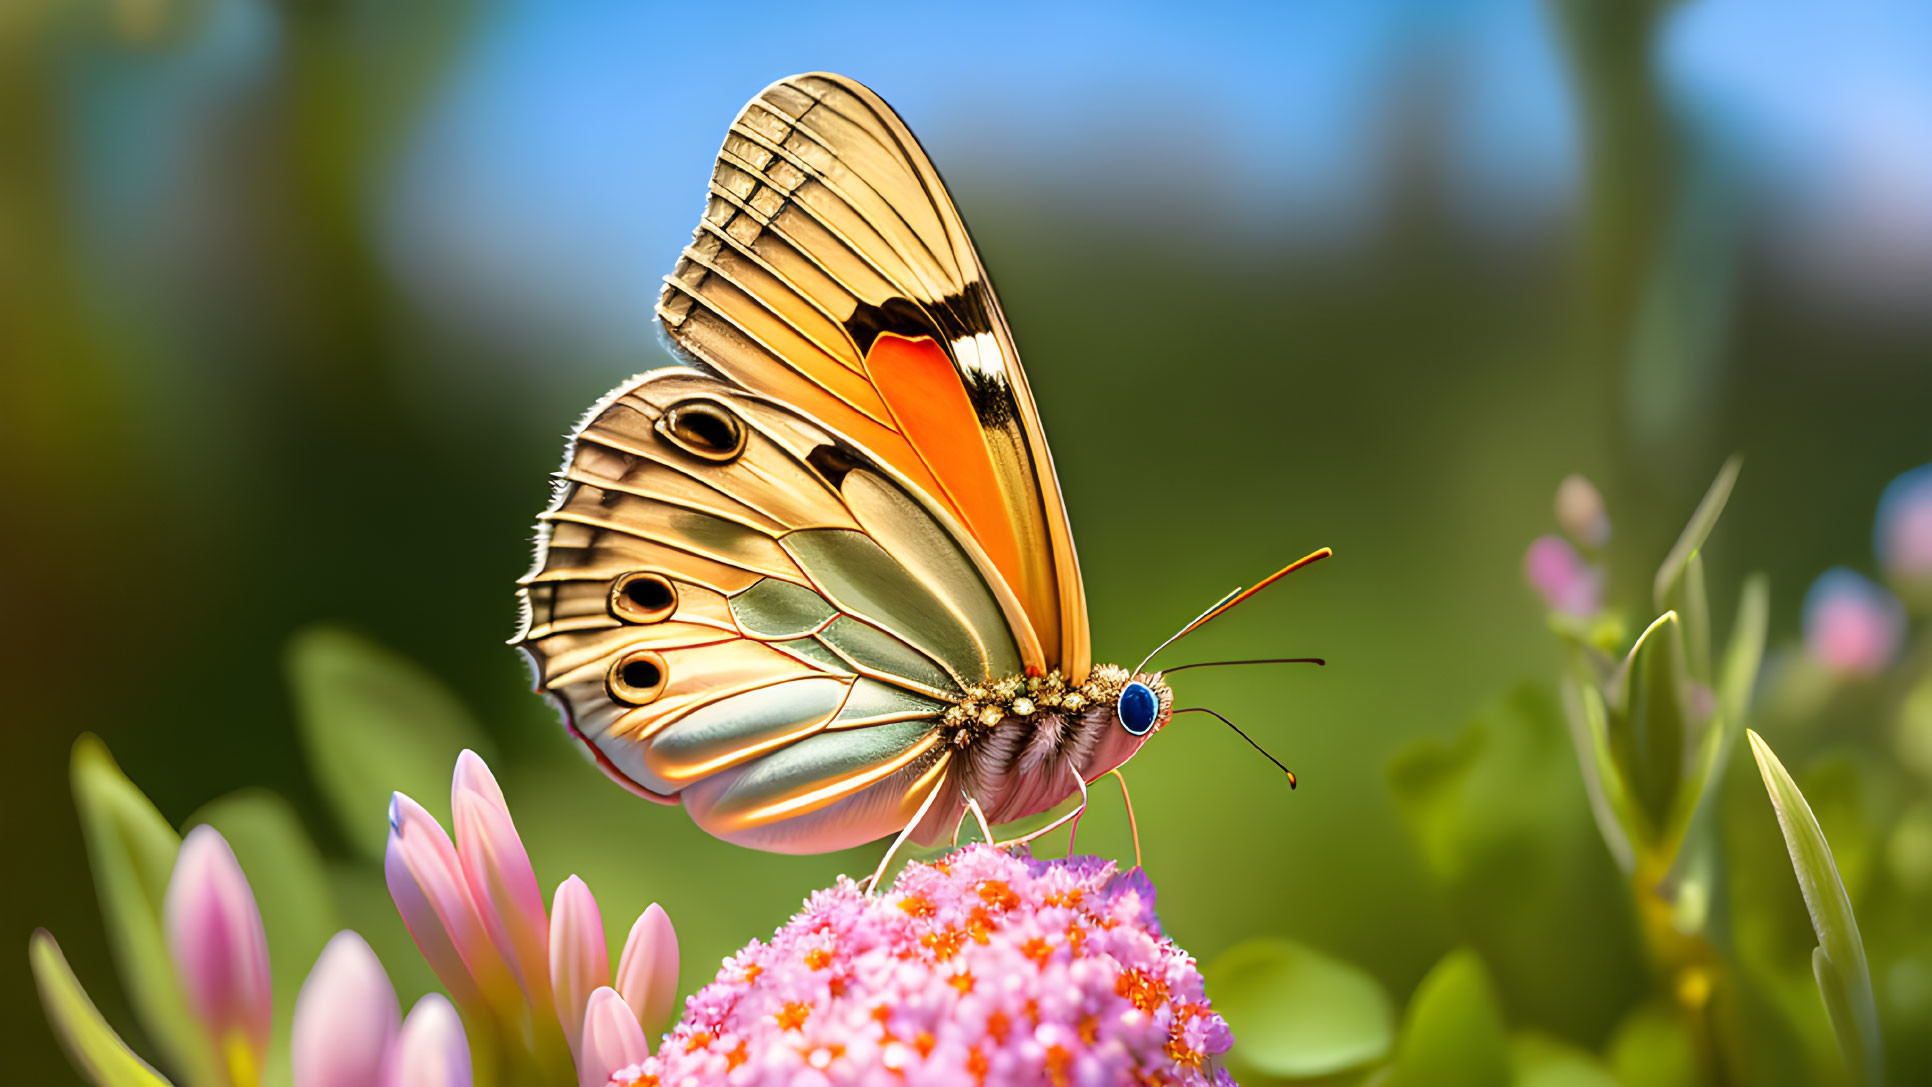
(832, 273)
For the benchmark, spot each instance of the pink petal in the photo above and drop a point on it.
(579, 956)
(611, 1040)
(1852, 626)
(426, 881)
(431, 1051)
(216, 937)
(501, 881)
(1566, 583)
(647, 973)
(345, 1018)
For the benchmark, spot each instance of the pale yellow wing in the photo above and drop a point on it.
(832, 273)
(742, 611)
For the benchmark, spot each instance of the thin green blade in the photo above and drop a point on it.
(131, 850)
(94, 1047)
(1844, 977)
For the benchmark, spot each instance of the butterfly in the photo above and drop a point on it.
(818, 585)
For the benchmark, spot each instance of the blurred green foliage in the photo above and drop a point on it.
(207, 448)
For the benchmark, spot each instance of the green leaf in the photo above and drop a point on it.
(373, 723)
(1617, 818)
(1844, 978)
(1738, 675)
(1693, 605)
(93, 1046)
(1298, 1013)
(1650, 743)
(1650, 1047)
(1453, 1033)
(1538, 1060)
(1502, 822)
(292, 888)
(1703, 519)
(131, 850)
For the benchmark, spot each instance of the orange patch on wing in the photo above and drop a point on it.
(917, 380)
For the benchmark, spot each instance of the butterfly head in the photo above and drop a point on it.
(1128, 710)
(1138, 709)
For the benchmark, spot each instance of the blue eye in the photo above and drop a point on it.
(1138, 707)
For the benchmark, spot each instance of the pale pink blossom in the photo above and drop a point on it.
(346, 1017)
(1559, 575)
(219, 947)
(1579, 509)
(426, 882)
(1903, 535)
(431, 1049)
(1852, 626)
(501, 881)
(611, 1039)
(579, 956)
(647, 972)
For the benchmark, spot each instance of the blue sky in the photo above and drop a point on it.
(562, 166)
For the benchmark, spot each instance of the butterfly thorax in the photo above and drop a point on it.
(1024, 737)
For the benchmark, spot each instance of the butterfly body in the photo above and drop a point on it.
(818, 586)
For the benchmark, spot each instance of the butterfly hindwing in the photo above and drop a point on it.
(831, 273)
(741, 611)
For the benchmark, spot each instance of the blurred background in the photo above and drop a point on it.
(298, 301)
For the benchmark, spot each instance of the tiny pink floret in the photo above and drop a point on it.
(986, 967)
(216, 938)
(346, 1017)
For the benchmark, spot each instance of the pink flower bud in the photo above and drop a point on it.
(1559, 575)
(1579, 509)
(1904, 533)
(611, 1039)
(502, 883)
(1852, 626)
(647, 972)
(426, 881)
(219, 946)
(579, 956)
(346, 1017)
(432, 1050)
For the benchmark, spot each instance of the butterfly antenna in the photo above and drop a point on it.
(1224, 664)
(1233, 598)
(1245, 736)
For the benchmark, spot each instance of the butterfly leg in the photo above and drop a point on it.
(1072, 816)
(884, 862)
(1132, 824)
(979, 816)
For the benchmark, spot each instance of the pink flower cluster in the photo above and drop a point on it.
(985, 967)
